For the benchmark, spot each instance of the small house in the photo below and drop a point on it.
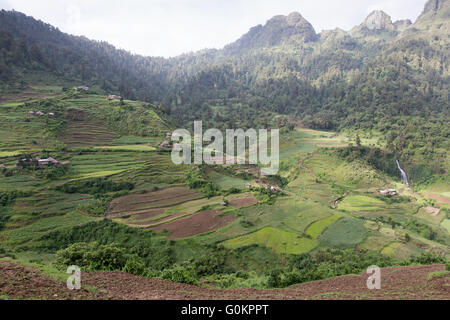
(274, 189)
(31, 113)
(114, 97)
(391, 192)
(47, 162)
(51, 114)
(39, 113)
(82, 88)
(165, 144)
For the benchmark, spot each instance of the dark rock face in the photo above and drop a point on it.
(276, 30)
(435, 5)
(401, 25)
(432, 7)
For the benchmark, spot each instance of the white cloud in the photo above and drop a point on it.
(74, 18)
(168, 28)
(5, 5)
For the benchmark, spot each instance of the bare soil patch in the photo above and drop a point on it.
(439, 198)
(201, 222)
(22, 282)
(158, 221)
(87, 133)
(432, 211)
(397, 283)
(142, 203)
(244, 202)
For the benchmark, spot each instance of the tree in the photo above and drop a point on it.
(358, 141)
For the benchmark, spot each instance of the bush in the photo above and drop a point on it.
(134, 266)
(95, 186)
(155, 252)
(93, 256)
(426, 259)
(180, 274)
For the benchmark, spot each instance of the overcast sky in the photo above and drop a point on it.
(171, 27)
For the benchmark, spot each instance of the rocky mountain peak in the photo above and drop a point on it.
(435, 5)
(433, 8)
(276, 30)
(378, 20)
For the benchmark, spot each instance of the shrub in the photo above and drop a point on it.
(425, 259)
(95, 186)
(180, 274)
(93, 256)
(134, 266)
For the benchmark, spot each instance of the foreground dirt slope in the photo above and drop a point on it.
(19, 282)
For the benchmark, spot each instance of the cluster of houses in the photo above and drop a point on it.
(37, 162)
(391, 192)
(82, 88)
(166, 143)
(114, 97)
(40, 114)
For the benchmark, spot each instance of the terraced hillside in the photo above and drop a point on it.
(115, 189)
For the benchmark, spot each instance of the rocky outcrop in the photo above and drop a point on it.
(401, 25)
(378, 20)
(433, 7)
(275, 31)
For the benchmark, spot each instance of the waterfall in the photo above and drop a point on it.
(404, 177)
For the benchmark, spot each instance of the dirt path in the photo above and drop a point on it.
(336, 202)
(396, 283)
(301, 165)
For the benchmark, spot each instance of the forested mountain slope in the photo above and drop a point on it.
(381, 75)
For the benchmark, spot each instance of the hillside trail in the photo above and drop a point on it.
(336, 202)
(301, 165)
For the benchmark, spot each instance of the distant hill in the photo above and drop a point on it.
(367, 78)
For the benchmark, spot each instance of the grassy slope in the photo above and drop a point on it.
(298, 223)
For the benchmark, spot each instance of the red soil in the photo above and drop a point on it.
(403, 283)
(244, 202)
(201, 222)
(132, 204)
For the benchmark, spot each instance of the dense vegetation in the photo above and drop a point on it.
(108, 246)
(384, 95)
(397, 86)
(95, 186)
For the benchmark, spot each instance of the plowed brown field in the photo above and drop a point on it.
(19, 282)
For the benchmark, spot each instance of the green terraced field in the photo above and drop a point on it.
(279, 240)
(361, 203)
(345, 233)
(227, 182)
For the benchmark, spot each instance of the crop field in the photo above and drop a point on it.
(204, 221)
(137, 147)
(316, 229)
(446, 224)
(86, 134)
(361, 203)
(327, 202)
(227, 182)
(140, 203)
(279, 240)
(303, 141)
(345, 233)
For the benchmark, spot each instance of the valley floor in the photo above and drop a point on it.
(22, 282)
